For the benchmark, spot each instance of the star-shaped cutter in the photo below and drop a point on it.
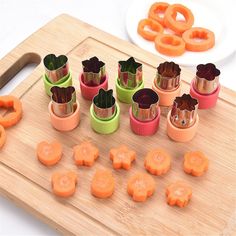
(56, 68)
(130, 73)
(168, 76)
(63, 100)
(145, 105)
(184, 111)
(94, 71)
(207, 78)
(104, 104)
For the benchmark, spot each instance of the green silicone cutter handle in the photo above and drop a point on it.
(105, 126)
(125, 95)
(64, 82)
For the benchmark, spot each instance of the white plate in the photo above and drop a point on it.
(208, 14)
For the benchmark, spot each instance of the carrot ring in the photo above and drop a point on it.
(155, 26)
(12, 118)
(207, 39)
(3, 136)
(158, 7)
(170, 45)
(178, 26)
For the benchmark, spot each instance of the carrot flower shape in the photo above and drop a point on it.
(195, 163)
(103, 184)
(140, 187)
(85, 153)
(122, 157)
(178, 193)
(157, 161)
(49, 153)
(64, 183)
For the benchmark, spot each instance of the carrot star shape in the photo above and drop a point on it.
(178, 193)
(85, 153)
(122, 157)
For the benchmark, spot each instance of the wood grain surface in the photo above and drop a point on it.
(212, 210)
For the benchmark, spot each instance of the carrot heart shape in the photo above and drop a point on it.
(103, 184)
(64, 183)
(85, 154)
(141, 186)
(49, 154)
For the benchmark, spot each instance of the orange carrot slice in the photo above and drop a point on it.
(11, 118)
(155, 29)
(157, 161)
(64, 183)
(49, 153)
(178, 26)
(3, 136)
(156, 9)
(122, 157)
(85, 154)
(179, 194)
(170, 45)
(141, 186)
(198, 39)
(103, 184)
(195, 163)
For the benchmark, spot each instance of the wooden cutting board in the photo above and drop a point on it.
(212, 210)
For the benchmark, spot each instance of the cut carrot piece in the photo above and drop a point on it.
(141, 186)
(3, 136)
(156, 9)
(178, 26)
(198, 39)
(85, 154)
(11, 118)
(64, 183)
(155, 29)
(49, 153)
(170, 45)
(157, 161)
(122, 157)
(103, 184)
(179, 194)
(195, 163)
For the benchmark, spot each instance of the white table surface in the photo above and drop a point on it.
(19, 19)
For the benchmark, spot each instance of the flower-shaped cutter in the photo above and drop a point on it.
(207, 78)
(63, 101)
(94, 71)
(104, 104)
(56, 68)
(184, 111)
(168, 76)
(145, 105)
(130, 73)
